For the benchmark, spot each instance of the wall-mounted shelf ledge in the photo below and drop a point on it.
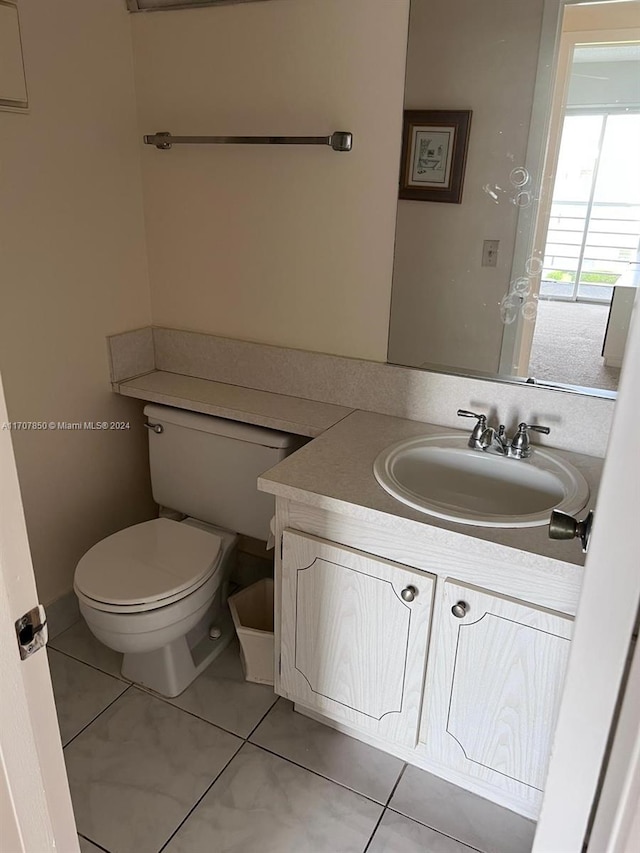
(339, 140)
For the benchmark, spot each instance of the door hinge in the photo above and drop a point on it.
(279, 664)
(31, 631)
(281, 547)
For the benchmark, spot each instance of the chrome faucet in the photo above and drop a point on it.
(490, 440)
(497, 440)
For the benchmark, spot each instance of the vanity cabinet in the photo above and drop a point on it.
(494, 689)
(354, 634)
(446, 658)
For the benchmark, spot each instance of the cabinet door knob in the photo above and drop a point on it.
(409, 593)
(460, 609)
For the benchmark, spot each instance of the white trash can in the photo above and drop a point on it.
(252, 613)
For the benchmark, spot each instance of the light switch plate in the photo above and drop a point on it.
(490, 253)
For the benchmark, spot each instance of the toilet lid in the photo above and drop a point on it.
(148, 562)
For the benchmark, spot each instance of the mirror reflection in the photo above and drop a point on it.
(533, 274)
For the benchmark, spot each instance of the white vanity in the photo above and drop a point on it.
(439, 642)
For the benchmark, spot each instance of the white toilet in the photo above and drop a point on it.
(157, 591)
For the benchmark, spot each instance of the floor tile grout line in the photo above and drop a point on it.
(99, 714)
(95, 843)
(408, 817)
(295, 764)
(316, 773)
(385, 808)
(375, 829)
(168, 701)
(119, 678)
(395, 787)
(435, 829)
(262, 718)
(200, 799)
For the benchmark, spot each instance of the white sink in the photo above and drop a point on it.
(442, 476)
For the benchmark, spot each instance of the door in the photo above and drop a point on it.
(355, 632)
(35, 806)
(495, 688)
(603, 630)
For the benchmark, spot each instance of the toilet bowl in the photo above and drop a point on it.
(157, 591)
(154, 592)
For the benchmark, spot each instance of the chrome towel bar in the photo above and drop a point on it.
(339, 140)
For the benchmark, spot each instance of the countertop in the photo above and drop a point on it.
(335, 472)
(262, 408)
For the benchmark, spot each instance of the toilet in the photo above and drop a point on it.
(157, 591)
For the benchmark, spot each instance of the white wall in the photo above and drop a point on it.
(73, 269)
(479, 56)
(291, 246)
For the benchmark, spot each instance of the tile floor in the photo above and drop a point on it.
(225, 768)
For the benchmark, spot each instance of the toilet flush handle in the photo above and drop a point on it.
(155, 427)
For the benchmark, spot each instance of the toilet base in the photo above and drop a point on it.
(171, 669)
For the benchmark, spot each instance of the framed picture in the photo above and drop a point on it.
(13, 86)
(434, 154)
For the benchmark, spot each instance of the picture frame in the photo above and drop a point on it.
(434, 154)
(13, 85)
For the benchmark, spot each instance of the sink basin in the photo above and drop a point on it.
(442, 476)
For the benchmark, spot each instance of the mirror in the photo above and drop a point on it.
(552, 174)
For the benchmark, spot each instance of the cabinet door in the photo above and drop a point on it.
(351, 646)
(495, 688)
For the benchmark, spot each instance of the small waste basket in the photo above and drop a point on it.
(252, 613)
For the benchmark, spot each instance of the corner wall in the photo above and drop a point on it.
(290, 246)
(73, 269)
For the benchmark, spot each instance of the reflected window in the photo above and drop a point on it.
(594, 226)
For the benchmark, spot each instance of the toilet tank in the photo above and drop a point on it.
(207, 467)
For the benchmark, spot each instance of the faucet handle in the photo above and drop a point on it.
(535, 427)
(464, 413)
(520, 445)
(479, 428)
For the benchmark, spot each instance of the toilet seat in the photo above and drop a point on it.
(147, 566)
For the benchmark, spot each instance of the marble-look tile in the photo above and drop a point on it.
(461, 814)
(222, 696)
(398, 834)
(81, 693)
(264, 804)
(87, 847)
(324, 750)
(78, 642)
(138, 770)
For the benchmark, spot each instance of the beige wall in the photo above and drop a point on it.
(603, 16)
(72, 269)
(291, 246)
(479, 56)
